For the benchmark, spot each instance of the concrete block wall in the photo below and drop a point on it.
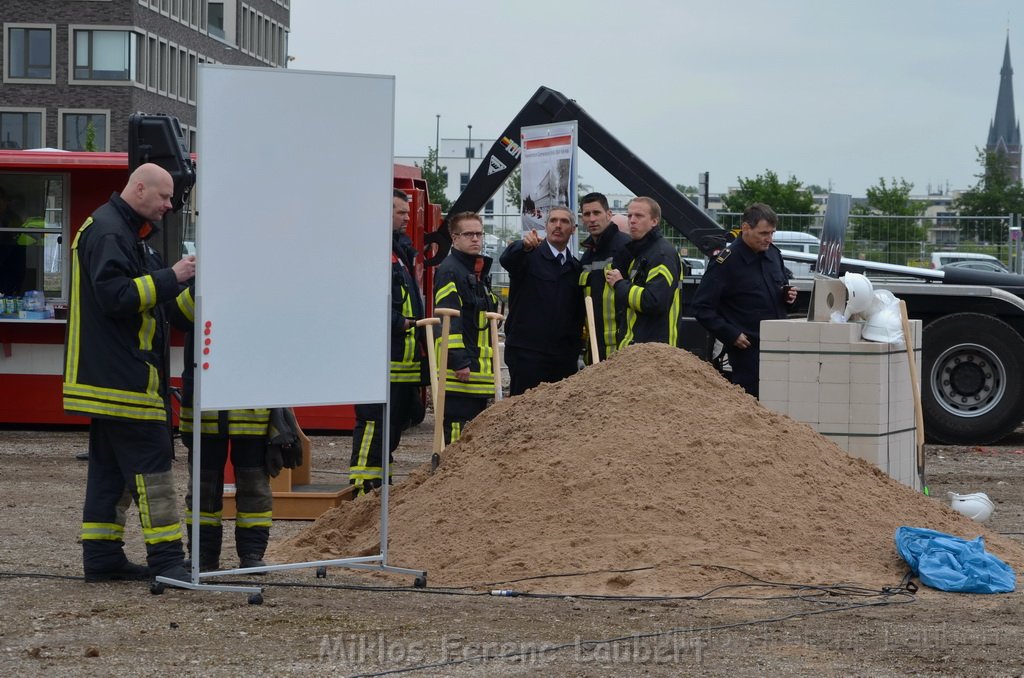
(856, 393)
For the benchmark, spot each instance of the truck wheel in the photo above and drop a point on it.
(972, 379)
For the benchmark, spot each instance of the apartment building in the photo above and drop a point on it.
(74, 70)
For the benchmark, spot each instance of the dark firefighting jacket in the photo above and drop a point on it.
(407, 357)
(113, 365)
(597, 255)
(649, 291)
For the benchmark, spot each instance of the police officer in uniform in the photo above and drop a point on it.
(745, 284)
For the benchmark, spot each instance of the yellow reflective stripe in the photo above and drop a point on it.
(164, 533)
(456, 431)
(249, 520)
(102, 531)
(485, 389)
(636, 293)
(147, 291)
(673, 321)
(113, 410)
(74, 316)
(260, 416)
(661, 270)
(610, 329)
(444, 291)
(187, 305)
(147, 330)
(143, 500)
(364, 444)
(205, 518)
(114, 394)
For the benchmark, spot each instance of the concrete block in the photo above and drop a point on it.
(868, 347)
(872, 450)
(838, 394)
(868, 372)
(801, 330)
(781, 406)
(804, 367)
(775, 331)
(869, 413)
(835, 369)
(861, 428)
(773, 390)
(840, 333)
(868, 392)
(804, 411)
(773, 371)
(833, 413)
(803, 392)
(803, 347)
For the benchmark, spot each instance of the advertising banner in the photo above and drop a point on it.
(549, 172)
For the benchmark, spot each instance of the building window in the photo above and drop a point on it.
(215, 19)
(489, 207)
(463, 181)
(104, 55)
(84, 130)
(30, 53)
(21, 129)
(31, 256)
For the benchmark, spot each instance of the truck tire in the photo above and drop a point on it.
(972, 379)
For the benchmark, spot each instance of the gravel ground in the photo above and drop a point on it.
(348, 624)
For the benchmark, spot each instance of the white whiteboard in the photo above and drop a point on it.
(293, 237)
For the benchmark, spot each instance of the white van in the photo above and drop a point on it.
(797, 241)
(941, 259)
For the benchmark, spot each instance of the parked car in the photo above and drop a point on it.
(797, 241)
(692, 266)
(978, 265)
(942, 259)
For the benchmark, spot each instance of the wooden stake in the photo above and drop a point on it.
(428, 324)
(915, 386)
(494, 319)
(442, 378)
(595, 356)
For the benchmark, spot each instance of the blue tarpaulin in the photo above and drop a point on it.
(950, 563)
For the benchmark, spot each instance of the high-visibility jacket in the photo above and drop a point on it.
(459, 285)
(220, 423)
(113, 365)
(407, 357)
(649, 291)
(598, 254)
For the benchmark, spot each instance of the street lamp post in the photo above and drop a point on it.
(437, 146)
(469, 151)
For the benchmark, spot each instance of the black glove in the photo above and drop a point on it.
(273, 460)
(291, 455)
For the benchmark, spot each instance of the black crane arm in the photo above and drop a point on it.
(548, 106)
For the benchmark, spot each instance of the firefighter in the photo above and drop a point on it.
(463, 282)
(114, 373)
(407, 365)
(243, 434)
(646, 280)
(599, 250)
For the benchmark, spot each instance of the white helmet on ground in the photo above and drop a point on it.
(859, 294)
(976, 506)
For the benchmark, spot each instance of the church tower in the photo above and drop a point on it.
(1004, 132)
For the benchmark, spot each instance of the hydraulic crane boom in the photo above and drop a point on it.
(548, 106)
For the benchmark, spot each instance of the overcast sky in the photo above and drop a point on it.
(827, 91)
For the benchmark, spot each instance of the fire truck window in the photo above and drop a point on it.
(32, 242)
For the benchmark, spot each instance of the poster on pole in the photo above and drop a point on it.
(549, 172)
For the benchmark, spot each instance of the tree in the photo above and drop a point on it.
(514, 188)
(995, 194)
(890, 220)
(785, 198)
(436, 177)
(689, 191)
(90, 137)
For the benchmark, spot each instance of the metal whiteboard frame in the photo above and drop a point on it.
(373, 304)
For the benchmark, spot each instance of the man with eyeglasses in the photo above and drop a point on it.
(542, 334)
(463, 282)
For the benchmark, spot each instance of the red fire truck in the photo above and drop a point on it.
(44, 197)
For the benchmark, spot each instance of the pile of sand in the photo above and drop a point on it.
(648, 459)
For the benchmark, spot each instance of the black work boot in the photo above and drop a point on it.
(252, 560)
(126, 571)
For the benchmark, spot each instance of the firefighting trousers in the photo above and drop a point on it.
(527, 369)
(366, 465)
(129, 461)
(253, 498)
(744, 363)
(459, 410)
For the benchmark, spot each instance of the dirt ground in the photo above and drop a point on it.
(348, 624)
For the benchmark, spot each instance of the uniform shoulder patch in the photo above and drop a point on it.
(723, 255)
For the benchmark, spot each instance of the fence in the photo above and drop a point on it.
(906, 241)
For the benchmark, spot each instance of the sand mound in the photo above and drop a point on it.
(648, 459)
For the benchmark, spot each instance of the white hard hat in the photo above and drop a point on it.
(859, 293)
(976, 506)
(885, 326)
